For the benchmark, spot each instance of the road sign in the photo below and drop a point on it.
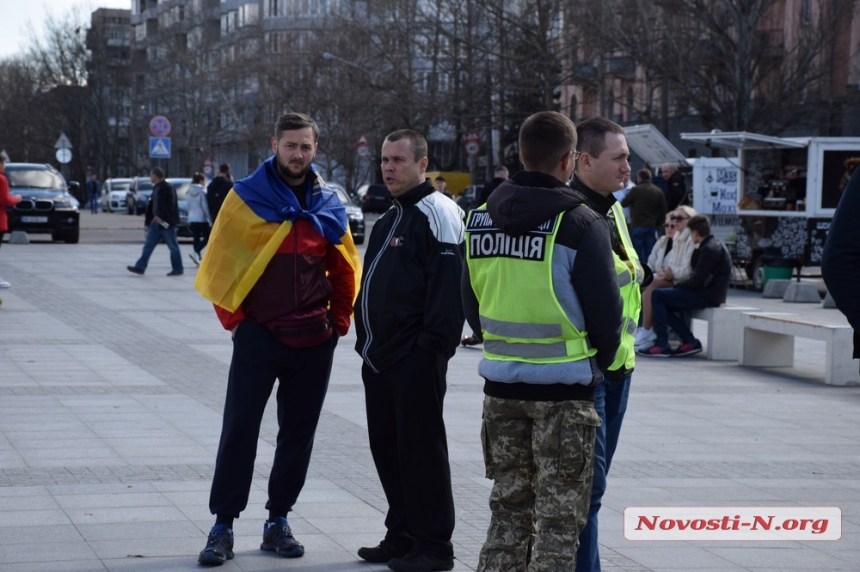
(159, 147)
(159, 126)
(471, 136)
(64, 155)
(63, 142)
(364, 151)
(472, 147)
(362, 141)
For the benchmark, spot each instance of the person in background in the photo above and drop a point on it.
(93, 188)
(840, 262)
(658, 260)
(676, 188)
(647, 212)
(551, 318)
(706, 287)
(500, 175)
(675, 270)
(199, 220)
(217, 190)
(161, 220)
(408, 321)
(281, 272)
(441, 186)
(6, 200)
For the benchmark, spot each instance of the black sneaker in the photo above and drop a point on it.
(175, 273)
(278, 538)
(134, 270)
(688, 349)
(383, 552)
(219, 547)
(421, 562)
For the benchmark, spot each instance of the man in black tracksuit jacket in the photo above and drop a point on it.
(409, 319)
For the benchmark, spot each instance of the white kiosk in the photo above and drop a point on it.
(775, 198)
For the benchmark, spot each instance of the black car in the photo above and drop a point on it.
(377, 199)
(138, 195)
(353, 213)
(181, 185)
(47, 206)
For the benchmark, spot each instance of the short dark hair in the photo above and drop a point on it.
(224, 168)
(157, 172)
(545, 138)
(644, 174)
(198, 178)
(592, 135)
(416, 141)
(440, 178)
(701, 224)
(294, 122)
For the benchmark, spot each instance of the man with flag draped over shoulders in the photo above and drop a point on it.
(282, 271)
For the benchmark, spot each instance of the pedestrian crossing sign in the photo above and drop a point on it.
(159, 147)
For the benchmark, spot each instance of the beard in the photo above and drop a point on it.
(286, 171)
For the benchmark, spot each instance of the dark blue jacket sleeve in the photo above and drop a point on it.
(840, 262)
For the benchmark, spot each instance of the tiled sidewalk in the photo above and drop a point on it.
(112, 386)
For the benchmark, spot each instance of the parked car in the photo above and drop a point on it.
(376, 199)
(469, 198)
(114, 193)
(353, 213)
(137, 196)
(182, 184)
(47, 206)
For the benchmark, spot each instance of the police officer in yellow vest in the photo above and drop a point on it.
(602, 169)
(541, 286)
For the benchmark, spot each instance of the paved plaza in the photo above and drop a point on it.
(112, 387)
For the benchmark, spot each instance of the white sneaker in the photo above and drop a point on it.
(644, 338)
(4, 284)
(195, 258)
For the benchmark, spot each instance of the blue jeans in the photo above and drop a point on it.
(667, 305)
(610, 402)
(643, 238)
(154, 234)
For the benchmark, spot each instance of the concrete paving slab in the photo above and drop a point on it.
(99, 360)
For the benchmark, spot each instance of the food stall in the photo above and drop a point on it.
(773, 201)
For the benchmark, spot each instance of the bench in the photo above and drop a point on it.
(724, 325)
(767, 340)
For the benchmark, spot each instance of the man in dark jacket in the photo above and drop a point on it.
(706, 287)
(408, 321)
(541, 285)
(840, 262)
(217, 190)
(162, 218)
(500, 175)
(676, 188)
(647, 213)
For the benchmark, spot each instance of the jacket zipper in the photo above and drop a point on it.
(367, 280)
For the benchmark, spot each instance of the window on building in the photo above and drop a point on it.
(571, 112)
(805, 12)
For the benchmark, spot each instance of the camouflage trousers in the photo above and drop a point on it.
(540, 455)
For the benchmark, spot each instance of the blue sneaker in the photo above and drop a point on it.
(278, 538)
(219, 547)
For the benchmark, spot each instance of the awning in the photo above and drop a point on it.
(652, 147)
(743, 140)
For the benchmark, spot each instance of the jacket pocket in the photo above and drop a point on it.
(576, 441)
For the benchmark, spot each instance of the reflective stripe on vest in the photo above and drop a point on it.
(536, 328)
(631, 295)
